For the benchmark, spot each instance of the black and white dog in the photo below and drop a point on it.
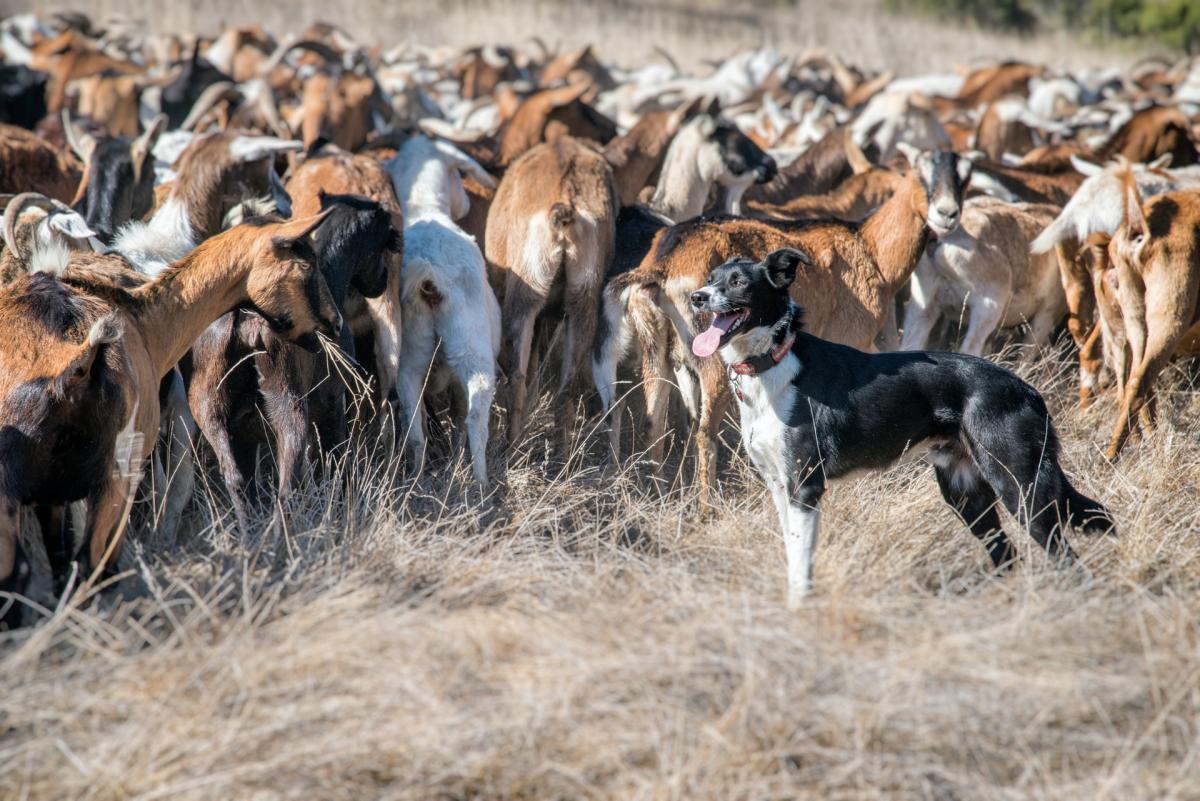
(813, 411)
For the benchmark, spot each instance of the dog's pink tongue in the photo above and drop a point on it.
(706, 344)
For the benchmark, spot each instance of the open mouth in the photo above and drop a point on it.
(718, 333)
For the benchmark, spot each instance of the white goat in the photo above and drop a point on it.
(1098, 204)
(984, 266)
(451, 328)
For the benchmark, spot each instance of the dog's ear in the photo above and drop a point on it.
(781, 266)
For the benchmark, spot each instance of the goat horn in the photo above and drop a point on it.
(141, 148)
(16, 207)
(221, 90)
(667, 57)
(269, 106)
(82, 143)
(320, 48)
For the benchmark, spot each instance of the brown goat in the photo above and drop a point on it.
(80, 378)
(1150, 133)
(28, 164)
(1156, 255)
(549, 241)
(851, 201)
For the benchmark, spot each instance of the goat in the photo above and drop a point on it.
(80, 384)
(847, 295)
(245, 379)
(334, 171)
(1156, 255)
(44, 243)
(118, 177)
(1097, 207)
(451, 316)
(984, 266)
(706, 151)
(22, 95)
(549, 239)
(28, 164)
(852, 200)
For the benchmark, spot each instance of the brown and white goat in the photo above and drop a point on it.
(79, 381)
(1156, 256)
(549, 241)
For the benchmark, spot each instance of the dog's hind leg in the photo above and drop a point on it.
(974, 501)
(1026, 477)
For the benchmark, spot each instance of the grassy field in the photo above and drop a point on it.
(580, 636)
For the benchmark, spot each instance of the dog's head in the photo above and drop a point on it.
(744, 295)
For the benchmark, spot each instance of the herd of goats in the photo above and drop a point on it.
(195, 228)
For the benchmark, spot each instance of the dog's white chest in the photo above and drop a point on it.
(765, 402)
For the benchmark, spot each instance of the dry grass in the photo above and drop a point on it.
(580, 637)
(627, 31)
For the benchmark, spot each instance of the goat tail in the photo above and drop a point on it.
(1088, 515)
(561, 215)
(1054, 233)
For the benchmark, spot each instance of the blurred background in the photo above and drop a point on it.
(906, 35)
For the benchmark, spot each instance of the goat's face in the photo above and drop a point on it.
(357, 239)
(944, 176)
(118, 188)
(741, 159)
(286, 286)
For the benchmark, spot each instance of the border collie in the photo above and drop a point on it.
(813, 411)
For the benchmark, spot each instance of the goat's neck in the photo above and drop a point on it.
(183, 300)
(895, 234)
(684, 184)
(425, 187)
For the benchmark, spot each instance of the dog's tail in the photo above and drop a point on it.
(1087, 515)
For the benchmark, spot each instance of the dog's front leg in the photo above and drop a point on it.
(803, 518)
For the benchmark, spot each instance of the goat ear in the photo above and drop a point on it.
(911, 153)
(1161, 163)
(257, 148)
(1135, 218)
(143, 146)
(283, 200)
(557, 98)
(465, 163)
(858, 161)
(781, 266)
(964, 167)
(74, 376)
(70, 224)
(298, 229)
(83, 144)
(1085, 168)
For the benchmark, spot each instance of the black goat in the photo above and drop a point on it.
(118, 179)
(22, 95)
